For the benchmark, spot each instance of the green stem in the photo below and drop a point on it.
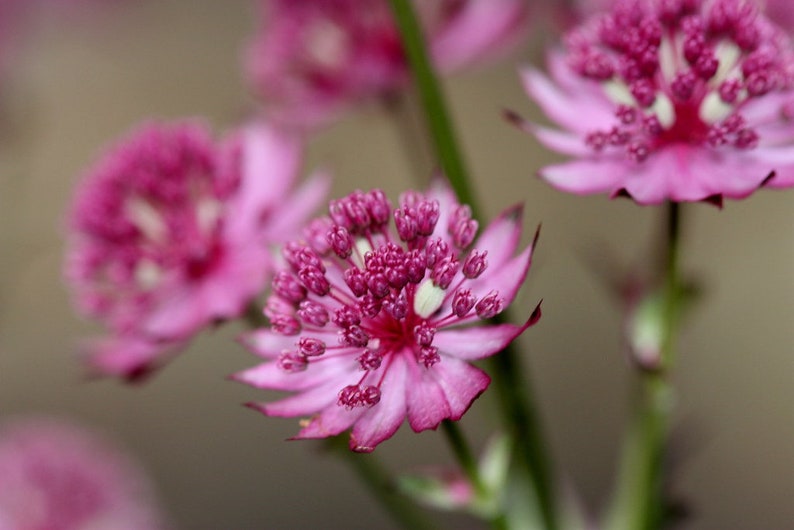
(640, 498)
(468, 463)
(513, 388)
(439, 123)
(380, 486)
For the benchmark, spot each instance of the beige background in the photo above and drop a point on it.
(220, 466)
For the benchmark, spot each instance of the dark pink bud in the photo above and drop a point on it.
(427, 213)
(340, 241)
(349, 397)
(464, 233)
(415, 265)
(746, 139)
(354, 336)
(285, 325)
(370, 396)
(379, 207)
(347, 316)
(729, 90)
(643, 91)
(315, 235)
(489, 305)
(292, 362)
(406, 225)
(378, 284)
(310, 347)
(287, 286)
(396, 305)
(428, 355)
(475, 264)
(462, 302)
(356, 280)
(370, 306)
(369, 360)
(445, 271)
(436, 250)
(683, 85)
(424, 334)
(314, 279)
(313, 313)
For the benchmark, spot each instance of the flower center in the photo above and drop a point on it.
(680, 72)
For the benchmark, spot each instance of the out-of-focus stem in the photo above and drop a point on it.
(380, 485)
(640, 502)
(512, 387)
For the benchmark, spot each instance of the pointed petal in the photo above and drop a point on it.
(306, 403)
(382, 420)
(427, 404)
(293, 213)
(266, 343)
(500, 238)
(478, 342)
(270, 376)
(333, 420)
(589, 175)
(461, 382)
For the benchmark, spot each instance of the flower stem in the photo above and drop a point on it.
(640, 502)
(513, 389)
(468, 463)
(380, 486)
(438, 120)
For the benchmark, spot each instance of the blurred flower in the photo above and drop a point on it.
(781, 11)
(682, 100)
(311, 59)
(366, 324)
(55, 476)
(171, 232)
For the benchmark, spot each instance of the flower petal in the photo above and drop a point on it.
(501, 236)
(333, 420)
(588, 175)
(382, 420)
(478, 342)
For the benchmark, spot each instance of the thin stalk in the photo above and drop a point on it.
(380, 486)
(468, 464)
(437, 117)
(640, 503)
(512, 387)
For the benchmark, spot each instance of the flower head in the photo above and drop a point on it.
(171, 232)
(685, 100)
(56, 476)
(311, 59)
(369, 323)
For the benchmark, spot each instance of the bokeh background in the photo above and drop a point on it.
(77, 84)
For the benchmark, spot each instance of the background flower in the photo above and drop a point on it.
(681, 101)
(310, 60)
(57, 476)
(171, 233)
(365, 322)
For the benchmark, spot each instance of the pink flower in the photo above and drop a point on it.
(171, 233)
(370, 325)
(781, 11)
(310, 59)
(681, 100)
(55, 476)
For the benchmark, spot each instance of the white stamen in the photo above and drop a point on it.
(362, 247)
(727, 54)
(148, 274)
(667, 60)
(207, 213)
(327, 44)
(428, 298)
(663, 108)
(147, 219)
(713, 109)
(619, 93)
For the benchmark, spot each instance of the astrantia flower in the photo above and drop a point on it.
(684, 100)
(55, 476)
(311, 59)
(372, 324)
(171, 233)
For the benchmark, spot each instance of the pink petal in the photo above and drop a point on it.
(589, 175)
(270, 376)
(480, 30)
(444, 391)
(506, 279)
(382, 420)
(266, 343)
(477, 342)
(306, 403)
(333, 420)
(294, 212)
(500, 238)
(580, 112)
(131, 357)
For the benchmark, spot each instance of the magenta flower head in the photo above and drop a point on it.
(56, 476)
(377, 313)
(311, 59)
(171, 232)
(681, 100)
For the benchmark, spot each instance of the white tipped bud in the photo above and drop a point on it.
(428, 298)
(619, 93)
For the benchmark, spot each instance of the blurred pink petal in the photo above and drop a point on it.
(55, 476)
(670, 101)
